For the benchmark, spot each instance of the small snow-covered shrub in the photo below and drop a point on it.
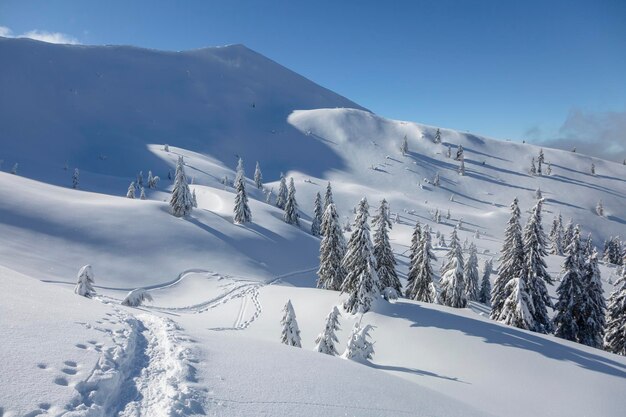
(136, 297)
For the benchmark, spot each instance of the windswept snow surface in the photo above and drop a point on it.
(209, 342)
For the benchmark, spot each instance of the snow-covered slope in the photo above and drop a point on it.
(218, 288)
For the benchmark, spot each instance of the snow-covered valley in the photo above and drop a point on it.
(209, 341)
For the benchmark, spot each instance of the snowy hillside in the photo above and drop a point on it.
(209, 342)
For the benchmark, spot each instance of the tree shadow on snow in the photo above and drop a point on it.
(492, 332)
(414, 371)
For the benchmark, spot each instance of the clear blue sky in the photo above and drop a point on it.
(504, 68)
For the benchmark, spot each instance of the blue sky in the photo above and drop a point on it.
(535, 70)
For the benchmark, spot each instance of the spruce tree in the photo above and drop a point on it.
(462, 165)
(470, 275)
(511, 261)
(85, 282)
(615, 335)
(459, 153)
(452, 280)
(359, 348)
(437, 136)
(540, 161)
(281, 198)
(569, 232)
(361, 283)
(593, 306)
(420, 285)
(404, 147)
(131, 190)
(328, 197)
(484, 296)
(152, 180)
(416, 239)
(291, 332)
(258, 176)
(291, 215)
(556, 238)
(385, 260)
(332, 251)
(142, 193)
(181, 201)
(316, 223)
(75, 178)
(241, 210)
(536, 275)
(325, 342)
(517, 309)
(194, 199)
(533, 169)
(569, 292)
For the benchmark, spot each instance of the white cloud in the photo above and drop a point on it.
(40, 35)
(598, 134)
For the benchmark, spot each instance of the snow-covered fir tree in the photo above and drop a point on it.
(385, 260)
(291, 215)
(436, 180)
(328, 197)
(316, 223)
(136, 297)
(470, 275)
(14, 169)
(588, 246)
(484, 297)
(442, 241)
(325, 341)
(534, 271)
(268, 195)
(593, 169)
(615, 336)
(569, 292)
(281, 197)
(462, 165)
(511, 261)
(361, 283)
(517, 309)
(75, 178)
(166, 147)
(290, 334)
(459, 153)
(404, 147)
(556, 238)
(332, 251)
(540, 161)
(533, 168)
(437, 136)
(130, 193)
(152, 180)
(549, 169)
(600, 209)
(568, 234)
(448, 215)
(142, 193)
(449, 152)
(593, 306)
(241, 210)
(452, 280)
(359, 348)
(258, 176)
(85, 282)
(181, 201)
(613, 251)
(420, 284)
(140, 179)
(538, 194)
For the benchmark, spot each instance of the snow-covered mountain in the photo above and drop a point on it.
(209, 342)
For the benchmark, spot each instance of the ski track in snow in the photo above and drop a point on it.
(147, 372)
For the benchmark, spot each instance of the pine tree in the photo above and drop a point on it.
(142, 193)
(470, 275)
(258, 176)
(436, 180)
(549, 169)
(140, 179)
(316, 224)
(420, 286)
(359, 348)
(462, 165)
(75, 178)
(85, 282)
(332, 251)
(181, 201)
(291, 332)
(615, 336)
(540, 161)
(511, 261)
(241, 210)
(448, 215)
(592, 320)
(569, 293)
(556, 238)
(449, 152)
(452, 280)
(281, 198)
(484, 296)
(325, 342)
(600, 209)
(593, 169)
(437, 136)
(385, 260)
(536, 275)
(517, 309)
(533, 169)
(589, 248)
(569, 233)
(538, 194)
(136, 297)
(404, 147)
(328, 197)
(194, 199)
(442, 241)
(459, 153)
(291, 215)
(131, 190)
(152, 180)
(361, 282)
